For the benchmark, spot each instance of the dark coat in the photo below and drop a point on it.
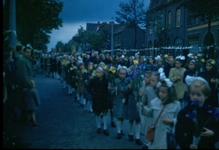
(185, 127)
(79, 83)
(59, 65)
(86, 94)
(130, 111)
(99, 90)
(68, 73)
(213, 98)
(31, 99)
(167, 69)
(24, 71)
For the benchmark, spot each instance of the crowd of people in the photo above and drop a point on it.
(135, 88)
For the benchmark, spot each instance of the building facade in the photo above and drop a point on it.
(185, 30)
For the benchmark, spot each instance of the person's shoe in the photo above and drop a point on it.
(122, 133)
(112, 124)
(131, 138)
(119, 136)
(138, 141)
(145, 146)
(106, 132)
(99, 130)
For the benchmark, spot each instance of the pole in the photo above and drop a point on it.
(112, 38)
(12, 22)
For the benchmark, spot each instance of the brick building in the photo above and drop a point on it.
(185, 30)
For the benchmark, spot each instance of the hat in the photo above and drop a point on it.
(101, 63)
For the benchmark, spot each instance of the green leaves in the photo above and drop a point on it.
(35, 20)
(131, 13)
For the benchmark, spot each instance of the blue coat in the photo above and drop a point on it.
(31, 99)
(130, 111)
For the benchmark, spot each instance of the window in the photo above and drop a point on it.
(178, 18)
(149, 44)
(169, 18)
(196, 20)
(178, 42)
(150, 31)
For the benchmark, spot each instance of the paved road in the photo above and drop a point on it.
(65, 125)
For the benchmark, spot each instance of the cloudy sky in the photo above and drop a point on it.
(76, 13)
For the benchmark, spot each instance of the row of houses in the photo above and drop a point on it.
(185, 31)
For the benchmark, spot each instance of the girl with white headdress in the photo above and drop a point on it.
(119, 94)
(176, 76)
(98, 88)
(166, 100)
(197, 124)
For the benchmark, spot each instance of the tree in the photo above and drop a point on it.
(81, 37)
(131, 14)
(60, 46)
(34, 19)
(96, 40)
(66, 47)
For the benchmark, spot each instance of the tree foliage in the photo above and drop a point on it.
(94, 39)
(60, 45)
(35, 19)
(81, 37)
(131, 14)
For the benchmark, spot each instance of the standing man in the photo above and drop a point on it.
(24, 72)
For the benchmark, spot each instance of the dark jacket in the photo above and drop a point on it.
(185, 127)
(213, 98)
(99, 90)
(167, 69)
(31, 99)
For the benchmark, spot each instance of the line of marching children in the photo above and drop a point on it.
(184, 94)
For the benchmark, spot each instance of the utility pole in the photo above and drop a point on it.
(12, 22)
(112, 38)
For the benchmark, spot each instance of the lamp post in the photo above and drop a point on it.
(112, 38)
(12, 22)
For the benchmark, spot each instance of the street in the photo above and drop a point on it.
(66, 125)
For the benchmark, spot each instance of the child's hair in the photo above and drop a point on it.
(170, 57)
(205, 88)
(160, 59)
(101, 63)
(80, 64)
(148, 72)
(151, 58)
(121, 69)
(172, 95)
(187, 63)
(31, 84)
(177, 59)
(156, 74)
(213, 63)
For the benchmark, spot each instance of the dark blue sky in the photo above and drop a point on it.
(76, 13)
